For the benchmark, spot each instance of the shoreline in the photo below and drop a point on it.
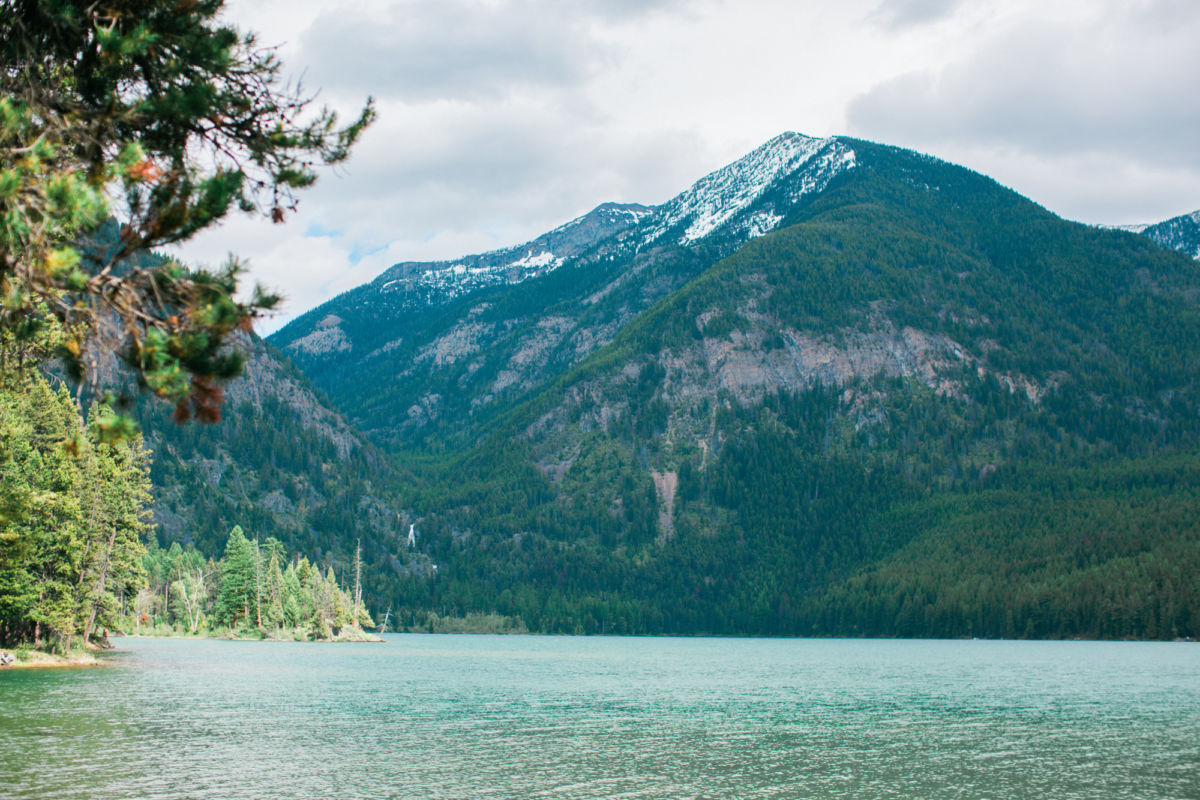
(30, 658)
(227, 636)
(39, 659)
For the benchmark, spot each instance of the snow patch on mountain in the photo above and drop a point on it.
(445, 280)
(621, 213)
(741, 201)
(543, 259)
(762, 222)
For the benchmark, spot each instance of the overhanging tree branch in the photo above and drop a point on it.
(160, 111)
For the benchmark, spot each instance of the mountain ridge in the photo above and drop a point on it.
(751, 176)
(371, 327)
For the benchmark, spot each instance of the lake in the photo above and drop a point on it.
(425, 716)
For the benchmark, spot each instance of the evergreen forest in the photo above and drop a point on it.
(79, 556)
(73, 516)
(253, 591)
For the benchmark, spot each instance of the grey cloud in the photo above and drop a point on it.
(903, 13)
(1123, 85)
(481, 152)
(449, 49)
(464, 50)
(622, 9)
(1167, 14)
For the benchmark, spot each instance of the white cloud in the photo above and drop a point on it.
(1111, 89)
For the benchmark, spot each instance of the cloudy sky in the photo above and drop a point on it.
(499, 119)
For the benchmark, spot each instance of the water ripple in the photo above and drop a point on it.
(459, 717)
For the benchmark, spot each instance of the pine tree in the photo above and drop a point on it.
(237, 597)
(292, 613)
(73, 547)
(274, 584)
(159, 110)
(357, 583)
(53, 529)
(118, 520)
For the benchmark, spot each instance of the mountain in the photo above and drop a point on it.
(1180, 233)
(426, 368)
(919, 362)
(834, 387)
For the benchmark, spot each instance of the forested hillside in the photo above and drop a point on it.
(281, 464)
(1180, 233)
(72, 514)
(434, 374)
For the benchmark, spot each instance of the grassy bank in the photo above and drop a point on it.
(30, 658)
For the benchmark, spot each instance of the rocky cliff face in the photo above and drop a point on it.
(269, 378)
(911, 292)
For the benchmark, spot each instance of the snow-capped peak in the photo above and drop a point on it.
(619, 213)
(720, 196)
(1137, 227)
(420, 283)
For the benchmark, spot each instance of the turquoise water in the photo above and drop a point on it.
(562, 717)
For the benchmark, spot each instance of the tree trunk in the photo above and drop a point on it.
(257, 587)
(99, 590)
(357, 581)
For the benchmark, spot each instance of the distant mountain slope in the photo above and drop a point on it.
(420, 286)
(1180, 233)
(283, 462)
(752, 195)
(834, 387)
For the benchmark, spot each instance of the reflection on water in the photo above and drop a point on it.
(561, 717)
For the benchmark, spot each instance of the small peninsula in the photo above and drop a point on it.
(253, 592)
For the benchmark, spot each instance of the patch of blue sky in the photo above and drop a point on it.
(316, 230)
(360, 251)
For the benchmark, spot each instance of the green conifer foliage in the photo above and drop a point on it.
(237, 598)
(291, 598)
(273, 588)
(118, 518)
(76, 507)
